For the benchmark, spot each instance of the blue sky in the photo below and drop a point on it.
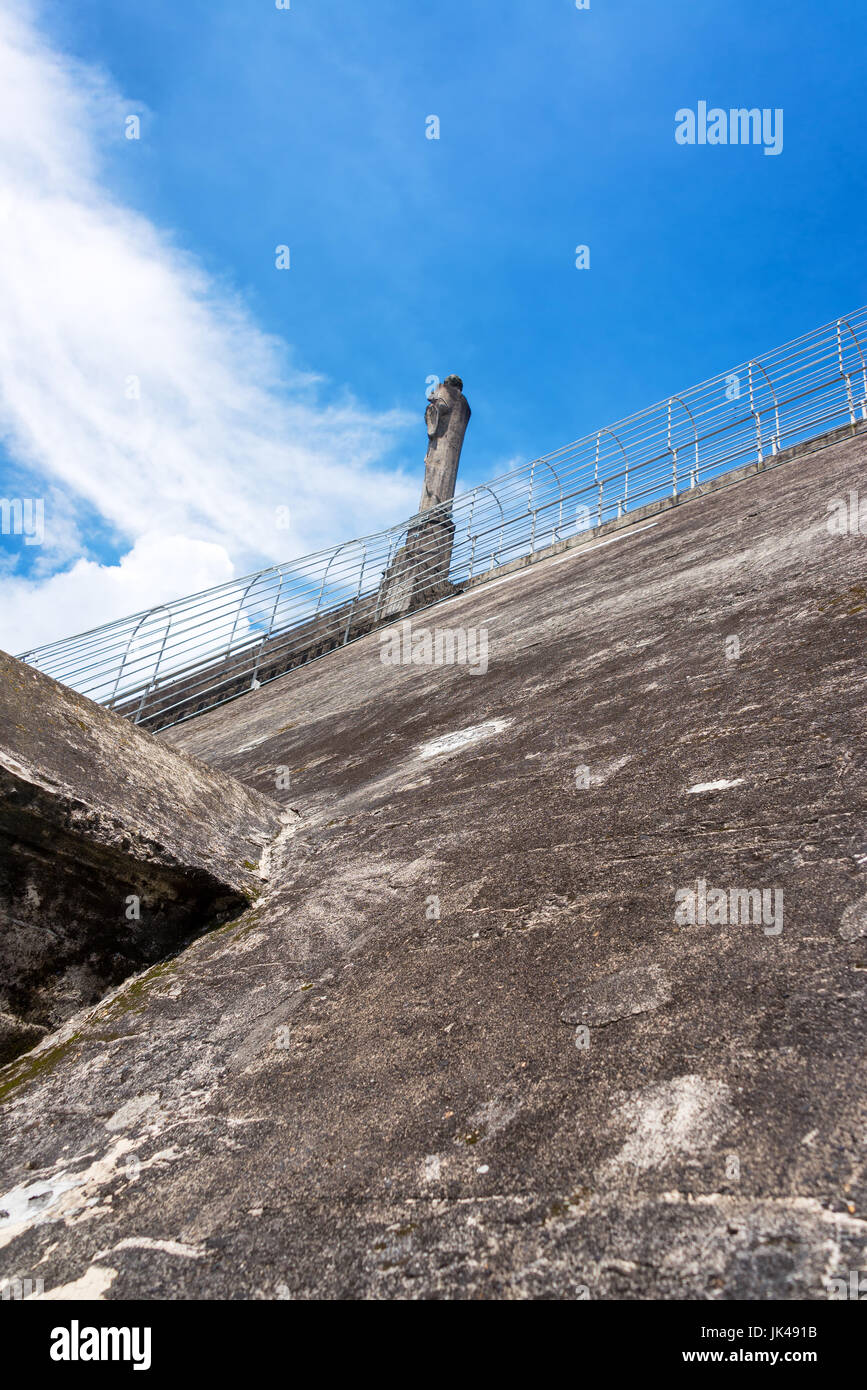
(409, 257)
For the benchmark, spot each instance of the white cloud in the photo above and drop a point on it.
(87, 595)
(225, 430)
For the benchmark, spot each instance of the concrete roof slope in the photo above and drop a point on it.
(559, 1087)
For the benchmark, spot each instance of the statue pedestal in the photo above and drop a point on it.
(419, 573)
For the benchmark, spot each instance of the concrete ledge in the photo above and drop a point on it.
(731, 478)
(93, 813)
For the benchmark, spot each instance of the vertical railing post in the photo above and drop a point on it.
(532, 510)
(470, 537)
(357, 596)
(142, 619)
(598, 484)
(757, 416)
(241, 602)
(853, 336)
(152, 682)
(673, 453)
(254, 679)
(555, 530)
(845, 375)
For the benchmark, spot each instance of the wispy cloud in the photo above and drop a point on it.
(140, 394)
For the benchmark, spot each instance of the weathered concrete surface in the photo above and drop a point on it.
(92, 813)
(337, 1095)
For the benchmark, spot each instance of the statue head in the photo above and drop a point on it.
(454, 382)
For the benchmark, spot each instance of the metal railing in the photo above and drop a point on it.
(170, 662)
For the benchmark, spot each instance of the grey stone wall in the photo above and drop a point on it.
(114, 849)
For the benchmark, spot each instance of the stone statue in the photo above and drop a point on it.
(419, 572)
(446, 418)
